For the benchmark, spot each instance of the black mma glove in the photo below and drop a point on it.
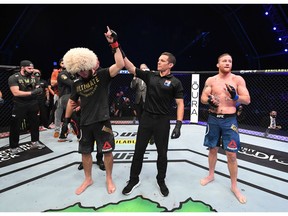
(36, 91)
(114, 36)
(64, 128)
(211, 103)
(176, 132)
(114, 45)
(232, 91)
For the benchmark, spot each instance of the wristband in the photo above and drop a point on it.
(114, 45)
(67, 120)
(236, 97)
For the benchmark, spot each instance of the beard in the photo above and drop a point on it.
(27, 74)
(87, 76)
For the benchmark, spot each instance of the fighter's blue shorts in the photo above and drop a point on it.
(225, 126)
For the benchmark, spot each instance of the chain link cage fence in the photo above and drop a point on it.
(6, 107)
(268, 91)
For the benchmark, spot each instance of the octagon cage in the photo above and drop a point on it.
(268, 91)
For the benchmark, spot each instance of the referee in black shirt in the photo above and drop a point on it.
(162, 89)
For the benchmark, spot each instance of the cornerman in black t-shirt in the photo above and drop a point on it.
(93, 90)
(65, 82)
(25, 88)
(162, 89)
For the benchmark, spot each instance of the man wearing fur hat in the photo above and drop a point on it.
(93, 90)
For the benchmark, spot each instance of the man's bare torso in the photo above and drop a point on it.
(218, 89)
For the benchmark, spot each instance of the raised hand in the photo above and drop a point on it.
(111, 35)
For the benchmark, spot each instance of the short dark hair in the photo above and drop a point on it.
(171, 57)
(26, 63)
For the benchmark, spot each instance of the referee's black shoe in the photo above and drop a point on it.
(164, 191)
(131, 185)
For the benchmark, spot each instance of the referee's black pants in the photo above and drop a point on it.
(159, 126)
(21, 110)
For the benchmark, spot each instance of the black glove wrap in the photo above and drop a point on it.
(64, 128)
(176, 132)
(36, 91)
(211, 103)
(114, 45)
(66, 121)
(232, 92)
(114, 36)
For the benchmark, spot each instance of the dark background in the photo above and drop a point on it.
(195, 33)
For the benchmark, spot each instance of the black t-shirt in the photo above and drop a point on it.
(161, 91)
(25, 83)
(64, 83)
(93, 96)
(44, 84)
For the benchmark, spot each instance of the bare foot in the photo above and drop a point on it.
(206, 180)
(241, 198)
(83, 186)
(110, 187)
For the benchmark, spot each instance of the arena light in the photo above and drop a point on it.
(266, 13)
(285, 50)
(278, 20)
(124, 72)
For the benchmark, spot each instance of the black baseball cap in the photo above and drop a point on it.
(26, 63)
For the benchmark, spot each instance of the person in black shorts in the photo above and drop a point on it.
(92, 87)
(75, 124)
(162, 89)
(25, 87)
